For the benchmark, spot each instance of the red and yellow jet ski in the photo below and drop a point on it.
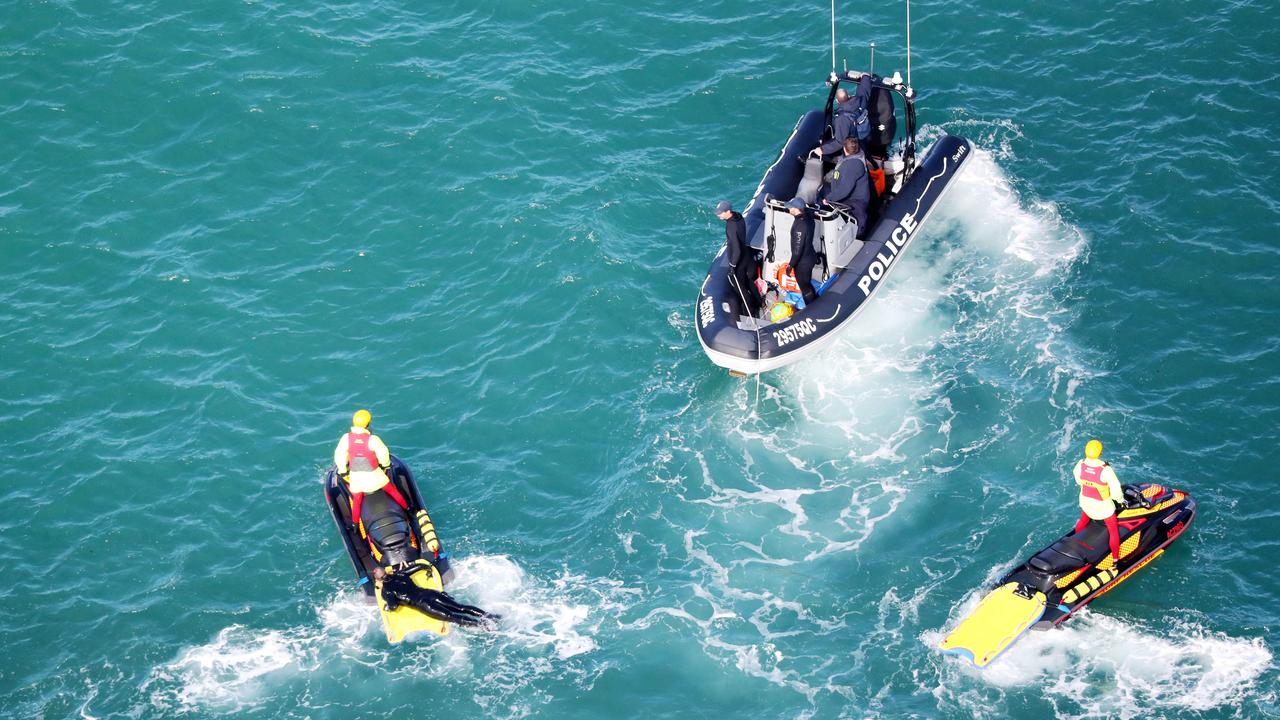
(386, 549)
(1072, 572)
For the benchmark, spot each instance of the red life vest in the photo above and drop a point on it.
(360, 458)
(787, 279)
(877, 178)
(1092, 485)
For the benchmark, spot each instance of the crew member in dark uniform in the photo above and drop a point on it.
(803, 256)
(742, 257)
(851, 185)
(850, 119)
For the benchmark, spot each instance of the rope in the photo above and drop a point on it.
(755, 325)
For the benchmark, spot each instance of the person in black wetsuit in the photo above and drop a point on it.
(742, 257)
(851, 185)
(803, 256)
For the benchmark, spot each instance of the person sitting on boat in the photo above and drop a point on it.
(803, 256)
(1099, 490)
(363, 460)
(742, 257)
(849, 119)
(851, 185)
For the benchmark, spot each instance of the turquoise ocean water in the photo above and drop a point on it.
(226, 225)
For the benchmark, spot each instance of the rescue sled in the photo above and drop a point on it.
(392, 568)
(850, 270)
(1075, 570)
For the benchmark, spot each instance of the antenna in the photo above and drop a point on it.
(873, 59)
(833, 35)
(908, 40)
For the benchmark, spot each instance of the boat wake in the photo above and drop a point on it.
(548, 632)
(1100, 666)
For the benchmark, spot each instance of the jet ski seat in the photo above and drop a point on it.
(811, 184)
(1073, 552)
(388, 527)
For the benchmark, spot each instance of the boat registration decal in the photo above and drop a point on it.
(706, 310)
(787, 335)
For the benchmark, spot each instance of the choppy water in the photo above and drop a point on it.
(223, 226)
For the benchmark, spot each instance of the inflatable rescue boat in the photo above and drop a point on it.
(849, 270)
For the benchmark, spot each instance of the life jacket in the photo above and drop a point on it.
(787, 279)
(877, 179)
(360, 457)
(1092, 486)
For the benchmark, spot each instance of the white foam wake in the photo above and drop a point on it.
(563, 614)
(1099, 666)
(545, 623)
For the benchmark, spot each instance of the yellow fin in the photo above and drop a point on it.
(405, 621)
(998, 620)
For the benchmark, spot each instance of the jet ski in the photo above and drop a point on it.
(1072, 572)
(387, 551)
(853, 263)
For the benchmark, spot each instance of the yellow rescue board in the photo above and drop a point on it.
(404, 620)
(998, 620)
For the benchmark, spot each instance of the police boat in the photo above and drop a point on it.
(388, 550)
(849, 270)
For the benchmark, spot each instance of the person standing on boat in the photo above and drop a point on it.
(851, 184)
(362, 460)
(1099, 490)
(803, 256)
(849, 119)
(742, 257)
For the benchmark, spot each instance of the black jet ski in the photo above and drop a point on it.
(849, 269)
(1072, 572)
(391, 564)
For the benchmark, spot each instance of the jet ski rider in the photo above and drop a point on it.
(363, 460)
(1099, 489)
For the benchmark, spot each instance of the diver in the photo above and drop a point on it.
(1099, 489)
(803, 256)
(742, 257)
(399, 589)
(363, 460)
(851, 184)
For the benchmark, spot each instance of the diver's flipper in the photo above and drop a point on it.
(413, 600)
(1003, 615)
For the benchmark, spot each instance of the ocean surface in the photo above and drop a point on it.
(224, 226)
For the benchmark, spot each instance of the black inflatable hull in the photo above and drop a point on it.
(718, 308)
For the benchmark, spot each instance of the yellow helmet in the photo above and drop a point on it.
(781, 311)
(1093, 449)
(361, 419)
